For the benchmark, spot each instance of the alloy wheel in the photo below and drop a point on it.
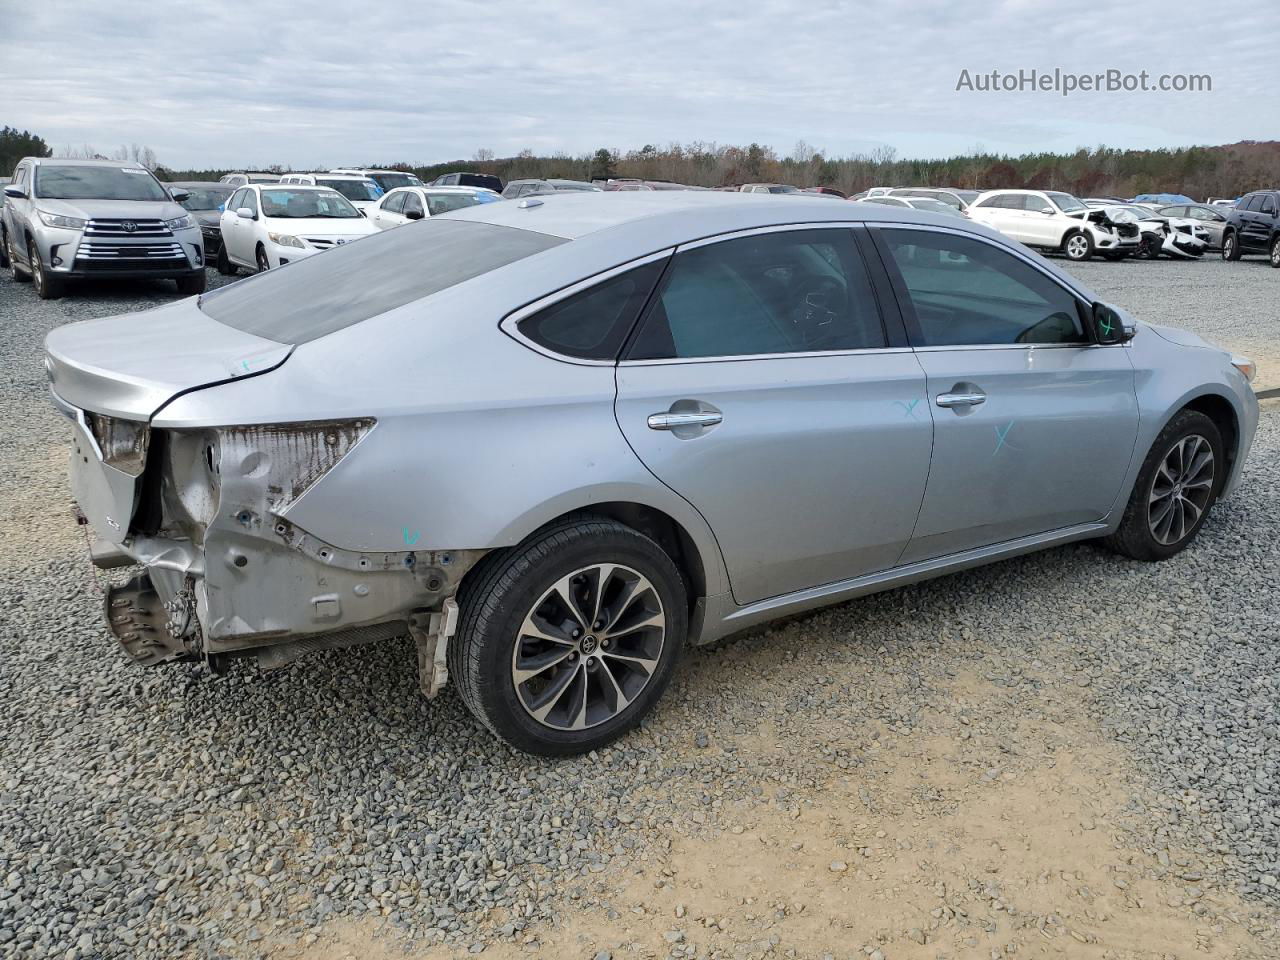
(1180, 489)
(1077, 247)
(588, 647)
(37, 268)
(1275, 252)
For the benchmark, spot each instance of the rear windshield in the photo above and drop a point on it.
(333, 290)
(389, 181)
(352, 189)
(97, 183)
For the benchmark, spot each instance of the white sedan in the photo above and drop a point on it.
(267, 225)
(405, 204)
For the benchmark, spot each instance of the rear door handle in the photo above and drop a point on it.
(961, 399)
(670, 421)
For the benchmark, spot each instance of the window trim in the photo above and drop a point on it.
(853, 227)
(510, 324)
(907, 307)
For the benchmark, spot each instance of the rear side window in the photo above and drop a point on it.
(788, 292)
(1268, 204)
(311, 298)
(966, 292)
(593, 323)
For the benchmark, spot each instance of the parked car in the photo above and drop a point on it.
(1162, 199)
(630, 184)
(1056, 221)
(927, 204)
(1213, 219)
(269, 225)
(406, 204)
(240, 179)
(959, 199)
(486, 180)
(205, 201)
(386, 179)
(1253, 226)
(536, 188)
(873, 192)
(4, 255)
(543, 440)
(827, 191)
(768, 188)
(362, 191)
(68, 220)
(1178, 237)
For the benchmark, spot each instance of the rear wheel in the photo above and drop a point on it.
(18, 274)
(4, 247)
(1176, 486)
(1275, 252)
(225, 266)
(192, 285)
(263, 263)
(1230, 246)
(1078, 246)
(566, 641)
(47, 287)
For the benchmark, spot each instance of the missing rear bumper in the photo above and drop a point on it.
(140, 621)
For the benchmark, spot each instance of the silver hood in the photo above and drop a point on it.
(131, 365)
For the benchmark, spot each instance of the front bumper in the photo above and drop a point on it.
(71, 253)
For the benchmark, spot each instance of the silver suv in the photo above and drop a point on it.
(66, 219)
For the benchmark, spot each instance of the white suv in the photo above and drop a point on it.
(1051, 220)
(269, 225)
(363, 192)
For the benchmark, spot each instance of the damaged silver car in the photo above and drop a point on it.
(557, 439)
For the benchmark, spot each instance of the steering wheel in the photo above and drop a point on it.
(819, 306)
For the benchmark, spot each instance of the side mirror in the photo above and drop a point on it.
(180, 195)
(15, 190)
(1047, 211)
(244, 213)
(1111, 325)
(413, 214)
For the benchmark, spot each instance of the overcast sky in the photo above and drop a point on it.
(319, 83)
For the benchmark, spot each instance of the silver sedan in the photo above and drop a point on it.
(556, 440)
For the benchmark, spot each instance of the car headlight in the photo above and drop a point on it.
(57, 220)
(1245, 366)
(285, 240)
(180, 223)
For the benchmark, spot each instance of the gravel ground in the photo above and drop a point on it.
(165, 813)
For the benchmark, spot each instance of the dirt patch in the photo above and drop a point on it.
(991, 835)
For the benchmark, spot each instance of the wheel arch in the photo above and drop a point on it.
(1219, 409)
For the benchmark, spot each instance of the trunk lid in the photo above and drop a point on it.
(132, 365)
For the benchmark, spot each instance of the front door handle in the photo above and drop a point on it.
(671, 421)
(961, 399)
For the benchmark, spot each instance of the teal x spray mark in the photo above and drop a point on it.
(1001, 434)
(908, 408)
(1107, 327)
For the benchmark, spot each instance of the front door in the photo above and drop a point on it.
(761, 386)
(1034, 424)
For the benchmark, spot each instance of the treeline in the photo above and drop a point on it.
(1201, 172)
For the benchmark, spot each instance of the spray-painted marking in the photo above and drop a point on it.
(1001, 434)
(909, 408)
(411, 538)
(1106, 328)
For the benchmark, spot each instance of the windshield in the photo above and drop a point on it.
(282, 203)
(97, 183)
(933, 206)
(352, 189)
(1066, 202)
(1142, 213)
(205, 198)
(389, 181)
(354, 282)
(438, 203)
(783, 188)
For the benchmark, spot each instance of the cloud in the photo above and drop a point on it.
(326, 82)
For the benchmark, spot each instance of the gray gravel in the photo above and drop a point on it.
(152, 813)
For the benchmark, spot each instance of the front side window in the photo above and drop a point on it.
(1269, 205)
(592, 324)
(388, 269)
(786, 292)
(250, 201)
(413, 205)
(966, 292)
(74, 182)
(395, 202)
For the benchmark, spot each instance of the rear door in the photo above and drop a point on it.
(764, 388)
(1035, 424)
(1252, 233)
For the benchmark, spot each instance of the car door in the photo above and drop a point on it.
(1250, 214)
(387, 214)
(763, 387)
(1041, 229)
(1003, 212)
(233, 226)
(1261, 222)
(1034, 423)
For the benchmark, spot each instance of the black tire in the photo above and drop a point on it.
(260, 257)
(1134, 537)
(19, 275)
(506, 587)
(4, 248)
(192, 285)
(1275, 251)
(225, 266)
(1230, 246)
(1149, 247)
(47, 287)
(1077, 252)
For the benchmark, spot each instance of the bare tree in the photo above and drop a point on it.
(483, 155)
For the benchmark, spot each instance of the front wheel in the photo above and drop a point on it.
(1078, 247)
(1149, 248)
(263, 263)
(225, 266)
(566, 641)
(1275, 252)
(1176, 486)
(47, 287)
(1230, 247)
